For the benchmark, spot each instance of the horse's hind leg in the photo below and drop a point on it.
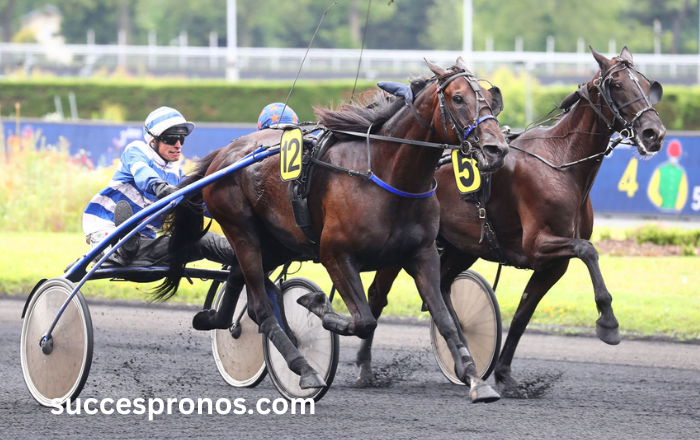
(346, 278)
(540, 283)
(222, 318)
(377, 299)
(260, 309)
(425, 270)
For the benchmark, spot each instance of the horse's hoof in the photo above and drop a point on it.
(204, 320)
(483, 393)
(365, 377)
(315, 302)
(506, 382)
(312, 380)
(610, 336)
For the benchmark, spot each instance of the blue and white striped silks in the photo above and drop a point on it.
(138, 170)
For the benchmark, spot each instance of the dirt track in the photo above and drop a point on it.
(583, 388)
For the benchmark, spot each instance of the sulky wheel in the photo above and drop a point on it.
(58, 376)
(238, 350)
(319, 346)
(475, 304)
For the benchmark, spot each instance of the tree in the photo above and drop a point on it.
(678, 22)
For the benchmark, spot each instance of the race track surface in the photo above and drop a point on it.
(576, 387)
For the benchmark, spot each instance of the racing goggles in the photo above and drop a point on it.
(171, 139)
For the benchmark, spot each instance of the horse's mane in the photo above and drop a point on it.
(375, 110)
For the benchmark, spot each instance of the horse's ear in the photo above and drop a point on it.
(602, 61)
(626, 55)
(460, 64)
(437, 70)
(655, 92)
(496, 100)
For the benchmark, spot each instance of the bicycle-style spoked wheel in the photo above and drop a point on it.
(476, 306)
(238, 351)
(59, 375)
(319, 346)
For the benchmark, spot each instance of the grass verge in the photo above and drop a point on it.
(652, 295)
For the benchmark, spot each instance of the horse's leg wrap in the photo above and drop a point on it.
(295, 361)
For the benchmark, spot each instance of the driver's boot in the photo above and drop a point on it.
(130, 248)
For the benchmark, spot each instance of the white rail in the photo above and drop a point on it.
(212, 61)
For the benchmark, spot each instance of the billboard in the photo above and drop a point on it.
(100, 144)
(667, 184)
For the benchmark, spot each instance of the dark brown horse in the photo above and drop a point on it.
(361, 225)
(542, 214)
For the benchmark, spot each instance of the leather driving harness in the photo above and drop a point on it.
(314, 150)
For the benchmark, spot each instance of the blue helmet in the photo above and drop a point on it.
(272, 114)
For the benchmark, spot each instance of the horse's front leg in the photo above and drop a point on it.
(425, 270)
(346, 278)
(377, 298)
(549, 249)
(452, 263)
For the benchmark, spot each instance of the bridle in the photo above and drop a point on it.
(602, 84)
(627, 134)
(464, 131)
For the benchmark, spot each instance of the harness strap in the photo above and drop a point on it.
(473, 126)
(399, 140)
(391, 189)
(421, 120)
(611, 146)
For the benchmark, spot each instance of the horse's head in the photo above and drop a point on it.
(470, 111)
(630, 96)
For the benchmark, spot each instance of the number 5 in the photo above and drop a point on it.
(696, 199)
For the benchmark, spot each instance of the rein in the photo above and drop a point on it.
(611, 147)
(462, 131)
(627, 134)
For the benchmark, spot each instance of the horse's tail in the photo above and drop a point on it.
(185, 228)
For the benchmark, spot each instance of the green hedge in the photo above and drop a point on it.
(201, 101)
(218, 101)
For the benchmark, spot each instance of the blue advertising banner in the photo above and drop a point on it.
(667, 184)
(100, 144)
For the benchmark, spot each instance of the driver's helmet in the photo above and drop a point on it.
(165, 119)
(272, 115)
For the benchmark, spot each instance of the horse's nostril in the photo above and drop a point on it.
(650, 134)
(492, 150)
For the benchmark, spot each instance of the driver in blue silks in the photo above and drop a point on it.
(148, 171)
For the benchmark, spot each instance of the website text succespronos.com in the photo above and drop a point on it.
(157, 406)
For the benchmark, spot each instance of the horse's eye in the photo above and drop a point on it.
(617, 85)
(458, 99)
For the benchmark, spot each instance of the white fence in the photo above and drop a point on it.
(85, 60)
